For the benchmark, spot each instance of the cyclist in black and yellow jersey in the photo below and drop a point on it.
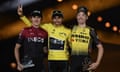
(58, 54)
(81, 40)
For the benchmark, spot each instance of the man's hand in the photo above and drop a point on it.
(45, 49)
(20, 67)
(93, 66)
(20, 10)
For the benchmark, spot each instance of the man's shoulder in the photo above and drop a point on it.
(65, 29)
(43, 30)
(47, 24)
(91, 28)
(68, 29)
(27, 28)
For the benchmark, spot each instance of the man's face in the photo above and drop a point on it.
(81, 18)
(57, 20)
(36, 20)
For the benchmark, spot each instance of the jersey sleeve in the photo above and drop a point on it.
(94, 36)
(21, 37)
(46, 42)
(26, 21)
(69, 37)
(46, 26)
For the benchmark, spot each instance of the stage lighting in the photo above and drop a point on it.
(107, 24)
(13, 65)
(115, 28)
(119, 31)
(100, 19)
(89, 13)
(74, 6)
(59, 0)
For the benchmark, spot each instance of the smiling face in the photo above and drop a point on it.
(57, 20)
(81, 18)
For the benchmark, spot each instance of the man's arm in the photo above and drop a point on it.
(94, 65)
(100, 51)
(45, 48)
(17, 57)
(69, 42)
(16, 50)
(27, 21)
(22, 17)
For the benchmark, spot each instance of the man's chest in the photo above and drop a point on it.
(59, 33)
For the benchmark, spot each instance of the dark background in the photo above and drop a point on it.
(8, 15)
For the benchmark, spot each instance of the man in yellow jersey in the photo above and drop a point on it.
(57, 41)
(81, 40)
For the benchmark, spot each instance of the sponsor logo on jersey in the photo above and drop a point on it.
(36, 39)
(80, 38)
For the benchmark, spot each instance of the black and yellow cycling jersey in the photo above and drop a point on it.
(81, 40)
(57, 40)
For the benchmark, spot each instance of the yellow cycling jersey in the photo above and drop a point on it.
(57, 40)
(81, 40)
